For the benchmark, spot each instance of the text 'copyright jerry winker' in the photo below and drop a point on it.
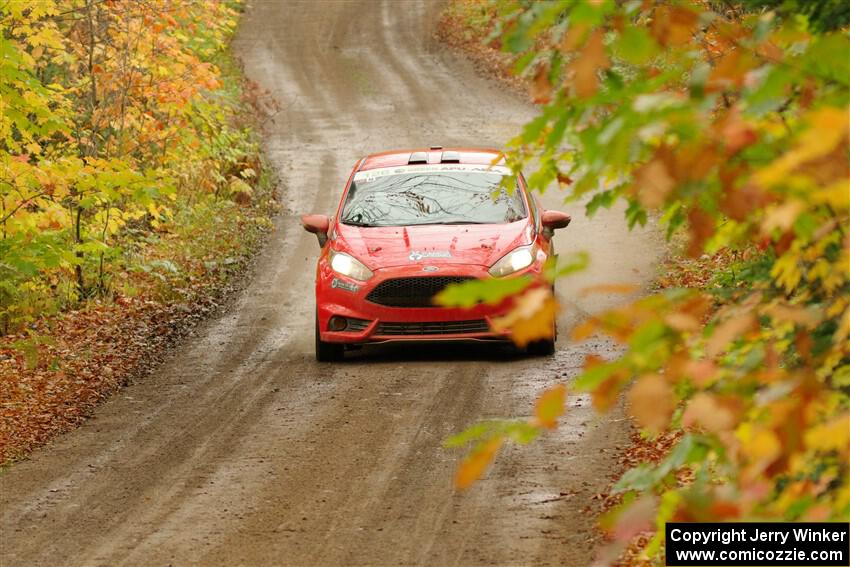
(823, 544)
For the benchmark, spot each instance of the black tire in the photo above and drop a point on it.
(543, 347)
(327, 352)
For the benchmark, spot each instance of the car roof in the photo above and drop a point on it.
(432, 155)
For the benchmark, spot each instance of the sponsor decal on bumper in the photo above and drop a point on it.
(339, 284)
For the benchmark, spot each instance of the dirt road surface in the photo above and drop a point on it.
(241, 450)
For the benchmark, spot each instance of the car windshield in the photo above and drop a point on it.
(429, 195)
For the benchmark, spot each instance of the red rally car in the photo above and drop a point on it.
(408, 224)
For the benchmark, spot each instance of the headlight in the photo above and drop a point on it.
(350, 266)
(514, 261)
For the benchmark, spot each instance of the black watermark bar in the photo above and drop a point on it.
(762, 544)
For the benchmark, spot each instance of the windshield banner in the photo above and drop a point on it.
(372, 174)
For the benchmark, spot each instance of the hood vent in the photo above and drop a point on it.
(418, 157)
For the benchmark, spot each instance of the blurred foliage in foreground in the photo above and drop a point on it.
(116, 128)
(730, 124)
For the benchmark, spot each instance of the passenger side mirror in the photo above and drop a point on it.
(318, 225)
(554, 220)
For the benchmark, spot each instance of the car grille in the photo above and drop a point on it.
(412, 292)
(433, 328)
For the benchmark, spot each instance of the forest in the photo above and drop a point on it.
(131, 185)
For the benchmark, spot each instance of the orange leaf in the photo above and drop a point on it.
(730, 70)
(700, 371)
(532, 318)
(651, 402)
(574, 36)
(637, 518)
(653, 183)
(605, 394)
(474, 465)
(541, 88)
(673, 25)
(682, 322)
(564, 179)
(702, 227)
(729, 330)
(739, 202)
(623, 288)
(585, 329)
(724, 510)
(708, 413)
(550, 406)
(589, 61)
(735, 132)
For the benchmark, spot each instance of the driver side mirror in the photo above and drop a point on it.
(318, 225)
(553, 220)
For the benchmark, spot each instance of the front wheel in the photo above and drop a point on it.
(327, 352)
(543, 347)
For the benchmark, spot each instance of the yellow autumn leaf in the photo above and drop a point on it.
(786, 271)
(827, 128)
(762, 447)
(831, 436)
(835, 195)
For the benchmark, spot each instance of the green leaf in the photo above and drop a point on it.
(575, 262)
(592, 377)
(635, 45)
(474, 432)
(635, 214)
(491, 291)
(601, 199)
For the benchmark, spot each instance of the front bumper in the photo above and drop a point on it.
(338, 296)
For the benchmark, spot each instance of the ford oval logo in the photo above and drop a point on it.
(430, 268)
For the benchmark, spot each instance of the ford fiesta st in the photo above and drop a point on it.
(408, 224)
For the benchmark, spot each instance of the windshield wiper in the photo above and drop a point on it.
(357, 223)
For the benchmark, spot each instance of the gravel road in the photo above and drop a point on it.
(241, 450)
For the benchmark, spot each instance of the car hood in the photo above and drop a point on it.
(385, 247)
